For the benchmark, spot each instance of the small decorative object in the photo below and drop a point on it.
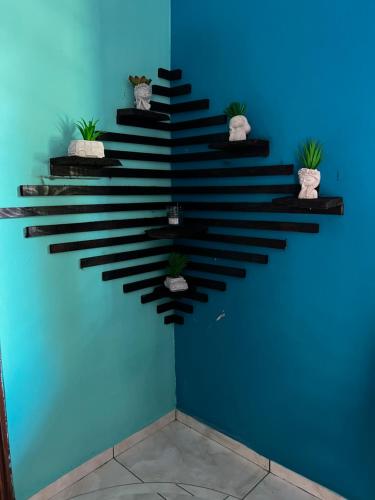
(174, 215)
(239, 127)
(309, 175)
(142, 92)
(89, 147)
(174, 281)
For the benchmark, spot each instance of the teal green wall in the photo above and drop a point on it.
(84, 365)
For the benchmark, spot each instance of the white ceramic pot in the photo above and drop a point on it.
(309, 179)
(142, 96)
(239, 127)
(176, 284)
(86, 149)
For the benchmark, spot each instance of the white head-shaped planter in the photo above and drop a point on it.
(309, 179)
(238, 128)
(142, 96)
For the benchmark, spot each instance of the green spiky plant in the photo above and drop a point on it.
(176, 264)
(312, 154)
(235, 109)
(88, 129)
(137, 80)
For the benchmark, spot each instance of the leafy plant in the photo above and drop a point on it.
(176, 264)
(88, 129)
(235, 109)
(312, 154)
(137, 80)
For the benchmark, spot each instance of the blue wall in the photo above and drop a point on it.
(290, 369)
(84, 365)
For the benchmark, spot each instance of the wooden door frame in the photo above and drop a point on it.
(6, 483)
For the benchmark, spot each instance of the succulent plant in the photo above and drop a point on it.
(312, 154)
(176, 264)
(88, 129)
(137, 80)
(235, 109)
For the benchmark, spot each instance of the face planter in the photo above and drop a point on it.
(142, 96)
(309, 180)
(238, 128)
(86, 149)
(178, 284)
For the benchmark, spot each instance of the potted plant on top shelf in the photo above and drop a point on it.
(142, 92)
(309, 175)
(88, 146)
(239, 127)
(174, 281)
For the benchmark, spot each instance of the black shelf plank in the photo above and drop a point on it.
(174, 305)
(133, 270)
(299, 227)
(222, 254)
(236, 272)
(142, 284)
(140, 114)
(206, 283)
(175, 126)
(124, 256)
(180, 107)
(174, 318)
(81, 227)
(322, 203)
(149, 173)
(172, 91)
(227, 145)
(194, 139)
(171, 75)
(245, 206)
(135, 139)
(72, 246)
(20, 212)
(162, 292)
(177, 231)
(79, 161)
(257, 149)
(242, 240)
(85, 190)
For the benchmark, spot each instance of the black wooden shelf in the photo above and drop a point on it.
(180, 107)
(171, 75)
(178, 90)
(162, 292)
(222, 254)
(89, 163)
(322, 203)
(174, 305)
(160, 141)
(210, 121)
(71, 246)
(194, 280)
(174, 318)
(177, 231)
(235, 272)
(114, 274)
(227, 145)
(140, 115)
(124, 256)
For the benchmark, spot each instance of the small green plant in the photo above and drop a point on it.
(176, 264)
(312, 154)
(88, 129)
(235, 109)
(137, 80)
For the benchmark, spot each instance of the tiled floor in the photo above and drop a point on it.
(177, 463)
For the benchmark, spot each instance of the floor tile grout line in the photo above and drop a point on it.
(226, 447)
(210, 489)
(256, 485)
(179, 486)
(161, 496)
(129, 470)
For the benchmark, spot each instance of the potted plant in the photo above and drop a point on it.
(88, 146)
(309, 175)
(142, 91)
(174, 281)
(239, 127)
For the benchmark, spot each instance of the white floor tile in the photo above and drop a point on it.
(149, 491)
(180, 455)
(274, 488)
(110, 474)
(204, 493)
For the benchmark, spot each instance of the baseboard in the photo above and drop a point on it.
(83, 470)
(278, 470)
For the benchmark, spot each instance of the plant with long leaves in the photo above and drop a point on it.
(88, 129)
(137, 80)
(312, 154)
(176, 264)
(235, 109)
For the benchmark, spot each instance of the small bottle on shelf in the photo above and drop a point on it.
(174, 215)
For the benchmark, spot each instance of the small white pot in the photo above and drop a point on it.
(309, 180)
(176, 284)
(86, 149)
(142, 96)
(239, 127)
